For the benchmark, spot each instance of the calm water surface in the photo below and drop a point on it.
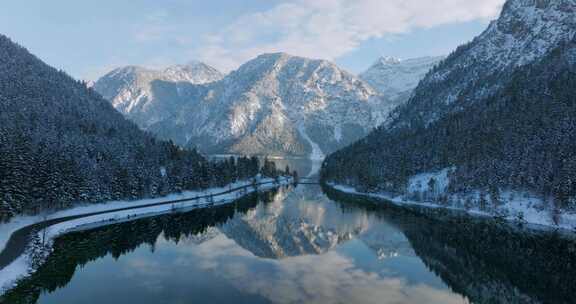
(301, 245)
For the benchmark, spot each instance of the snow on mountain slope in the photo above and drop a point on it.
(193, 72)
(525, 31)
(280, 105)
(499, 110)
(397, 78)
(142, 95)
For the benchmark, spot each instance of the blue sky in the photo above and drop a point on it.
(89, 38)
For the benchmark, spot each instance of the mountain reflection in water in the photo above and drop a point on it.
(303, 246)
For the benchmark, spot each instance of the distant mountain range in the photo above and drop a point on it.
(276, 104)
(499, 112)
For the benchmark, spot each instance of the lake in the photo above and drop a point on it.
(304, 244)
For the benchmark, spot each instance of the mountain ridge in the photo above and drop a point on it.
(397, 78)
(525, 31)
(275, 104)
(139, 93)
(495, 127)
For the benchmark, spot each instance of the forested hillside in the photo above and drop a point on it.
(62, 143)
(508, 126)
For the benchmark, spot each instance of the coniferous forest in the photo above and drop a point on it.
(520, 137)
(62, 143)
(236, 153)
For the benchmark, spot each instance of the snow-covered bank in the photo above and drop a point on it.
(517, 208)
(21, 267)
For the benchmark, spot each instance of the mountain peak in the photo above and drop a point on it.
(394, 77)
(275, 55)
(287, 66)
(126, 70)
(474, 114)
(525, 31)
(563, 5)
(388, 60)
(194, 72)
(285, 57)
(134, 90)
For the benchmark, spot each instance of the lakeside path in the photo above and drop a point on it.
(19, 240)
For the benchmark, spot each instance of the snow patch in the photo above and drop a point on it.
(394, 77)
(423, 181)
(317, 156)
(317, 153)
(338, 133)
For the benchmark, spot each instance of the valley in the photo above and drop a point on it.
(288, 152)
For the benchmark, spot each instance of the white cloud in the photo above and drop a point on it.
(328, 278)
(332, 28)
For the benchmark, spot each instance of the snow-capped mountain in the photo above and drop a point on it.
(397, 78)
(140, 93)
(499, 111)
(193, 72)
(275, 104)
(525, 31)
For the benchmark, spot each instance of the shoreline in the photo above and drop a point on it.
(17, 264)
(402, 202)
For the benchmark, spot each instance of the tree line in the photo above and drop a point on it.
(61, 143)
(521, 137)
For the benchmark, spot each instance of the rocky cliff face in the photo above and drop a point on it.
(145, 96)
(276, 104)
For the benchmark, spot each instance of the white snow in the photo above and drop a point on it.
(338, 133)
(131, 91)
(394, 77)
(317, 153)
(20, 267)
(317, 156)
(15, 223)
(193, 72)
(13, 272)
(264, 99)
(517, 206)
(420, 182)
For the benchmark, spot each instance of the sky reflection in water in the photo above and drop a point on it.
(300, 248)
